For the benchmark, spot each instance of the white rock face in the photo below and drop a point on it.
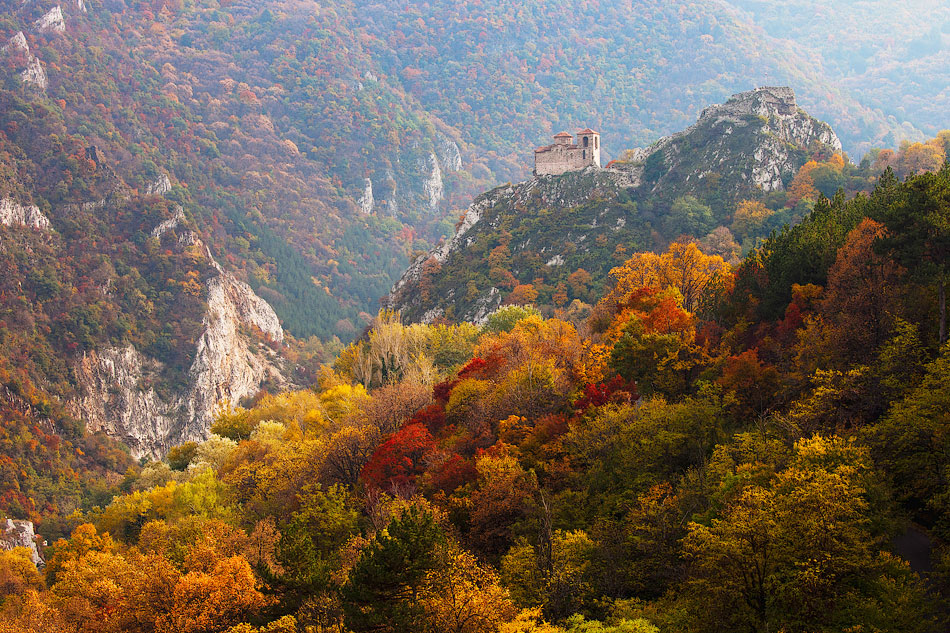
(366, 201)
(115, 400)
(17, 43)
(14, 214)
(449, 155)
(781, 121)
(432, 187)
(116, 395)
(226, 369)
(15, 533)
(392, 204)
(486, 305)
(52, 21)
(81, 5)
(169, 224)
(160, 187)
(33, 73)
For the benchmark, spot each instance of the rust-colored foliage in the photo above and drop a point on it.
(754, 382)
(399, 460)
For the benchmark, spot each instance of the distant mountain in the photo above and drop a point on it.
(551, 239)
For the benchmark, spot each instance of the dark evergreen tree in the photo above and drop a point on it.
(918, 237)
(381, 592)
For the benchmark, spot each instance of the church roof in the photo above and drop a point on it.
(587, 131)
(562, 135)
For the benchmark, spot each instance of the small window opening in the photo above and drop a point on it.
(586, 141)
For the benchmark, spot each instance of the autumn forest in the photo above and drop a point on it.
(695, 403)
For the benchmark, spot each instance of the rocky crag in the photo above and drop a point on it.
(764, 128)
(15, 533)
(539, 232)
(232, 361)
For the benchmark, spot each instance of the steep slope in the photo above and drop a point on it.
(760, 137)
(272, 120)
(114, 315)
(554, 238)
(115, 394)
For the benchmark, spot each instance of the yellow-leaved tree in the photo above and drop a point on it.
(683, 266)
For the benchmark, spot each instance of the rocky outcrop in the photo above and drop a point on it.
(764, 126)
(53, 21)
(116, 393)
(752, 144)
(160, 187)
(115, 398)
(32, 72)
(547, 191)
(15, 533)
(366, 201)
(449, 155)
(441, 252)
(169, 224)
(432, 187)
(13, 213)
(16, 43)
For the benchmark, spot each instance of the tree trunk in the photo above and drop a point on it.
(943, 311)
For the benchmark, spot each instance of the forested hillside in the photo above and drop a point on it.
(745, 169)
(288, 121)
(713, 448)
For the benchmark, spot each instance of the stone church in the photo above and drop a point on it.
(566, 155)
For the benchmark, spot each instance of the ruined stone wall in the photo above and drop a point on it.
(560, 159)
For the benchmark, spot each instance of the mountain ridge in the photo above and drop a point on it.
(751, 145)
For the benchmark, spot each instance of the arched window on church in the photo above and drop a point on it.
(586, 141)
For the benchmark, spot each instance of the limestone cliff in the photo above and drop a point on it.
(432, 186)
(31, 70)
(13, 213)
(366, 201)
(231, 363)
(15, 533)
(52, 20)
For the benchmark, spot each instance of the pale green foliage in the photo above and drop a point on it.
(555, 576)
(505, 318)
(270, 433)
(577, 624)
(212, 453)
(204, 496)
(395, 351)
